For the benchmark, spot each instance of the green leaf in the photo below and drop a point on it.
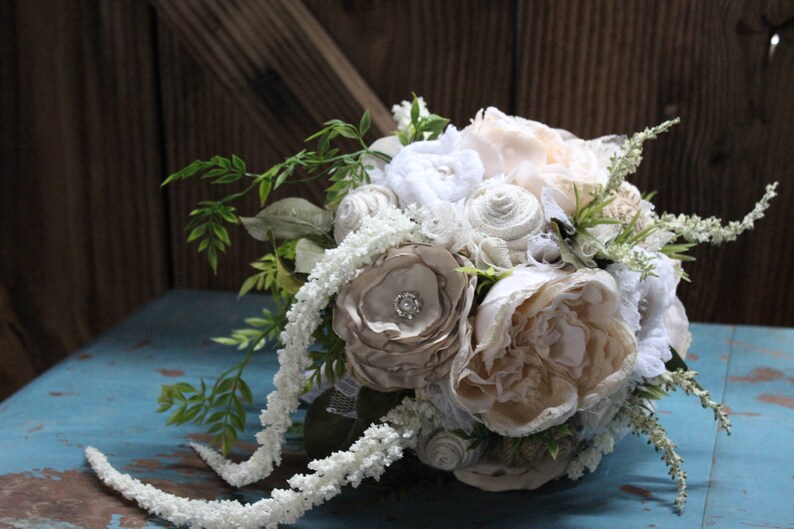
(225, 385)
(553, 446)
(675, 362)
(197, 232)
(238, 163)
(364, 124)
(245, 391)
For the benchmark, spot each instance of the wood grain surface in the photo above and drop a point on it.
(607, 67)
(101, 99)
(81, 211)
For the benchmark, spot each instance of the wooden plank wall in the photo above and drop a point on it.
(82, 237)
(100, 99)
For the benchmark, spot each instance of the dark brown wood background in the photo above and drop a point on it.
(101, 99)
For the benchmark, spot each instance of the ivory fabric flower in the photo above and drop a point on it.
(535, 156)
(502, 218)
(360, 204)
(404, 319)
(429, 172)
(549, 343)
(676, 323)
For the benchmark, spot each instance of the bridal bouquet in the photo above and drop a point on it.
(498, 300)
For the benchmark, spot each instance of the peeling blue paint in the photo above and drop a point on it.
(105, 395)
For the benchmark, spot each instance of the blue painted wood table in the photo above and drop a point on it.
(105, 395)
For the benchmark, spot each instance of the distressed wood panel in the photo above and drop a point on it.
(82, 219)
(616, 66)
(732, 482)
(203, 116)
(457, 55)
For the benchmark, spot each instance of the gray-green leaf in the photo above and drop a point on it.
(290, 218)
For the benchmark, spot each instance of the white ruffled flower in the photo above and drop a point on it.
(428, 172)
(643, 306)
(444, 225)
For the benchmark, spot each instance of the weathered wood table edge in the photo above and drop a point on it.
(105, 395)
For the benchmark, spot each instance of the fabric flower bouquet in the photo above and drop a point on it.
(498, 300)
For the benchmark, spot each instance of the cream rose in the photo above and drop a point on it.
(535, 156)
(404, 319)
(549, 343)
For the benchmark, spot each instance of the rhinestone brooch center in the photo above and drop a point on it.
(408, 304)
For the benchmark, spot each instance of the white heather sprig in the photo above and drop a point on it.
(696, 229)
(685, 379)
(338, 266)
(589, 458)
(626, 164)
(379, 447)
(648, 425)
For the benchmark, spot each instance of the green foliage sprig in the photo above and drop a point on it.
(328, 357)
(422, 127)
(222, 406)
(485, 279)
(481, 436)
(345, 171)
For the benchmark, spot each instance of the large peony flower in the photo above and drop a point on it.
(549, 343)
(404, 319)
(535, 156)
(428, 172)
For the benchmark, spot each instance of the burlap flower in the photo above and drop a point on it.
(548, 344)
(404, 318)
(359, 205)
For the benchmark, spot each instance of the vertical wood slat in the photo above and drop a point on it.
(617, 66)
(200, 120)
(80, 106)
(457, 55)
(82, 220)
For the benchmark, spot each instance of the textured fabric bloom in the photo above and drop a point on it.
(502, 218)
(535, 156)
(358, 205)
(404, 318)
(428, 172)
(549, 343)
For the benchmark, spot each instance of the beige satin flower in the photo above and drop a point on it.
(404, 318)
(548, 344)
